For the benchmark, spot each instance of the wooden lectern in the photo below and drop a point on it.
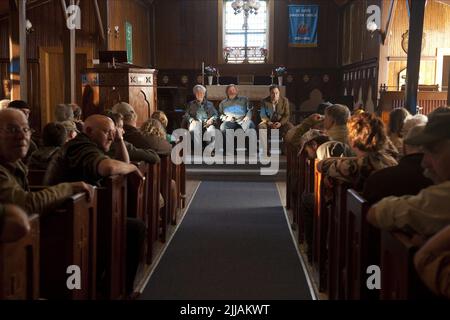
(104, 87)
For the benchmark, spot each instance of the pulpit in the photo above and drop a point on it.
(104, 87)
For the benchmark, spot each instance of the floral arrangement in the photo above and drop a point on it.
(264, 52)
(226, 53)
(280, 71)
(210, 71)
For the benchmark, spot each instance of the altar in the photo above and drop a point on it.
(252, 92)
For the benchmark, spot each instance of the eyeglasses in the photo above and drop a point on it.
(16, 130)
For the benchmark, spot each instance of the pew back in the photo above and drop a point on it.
(70, 232)
(19, 266)
(111, 232)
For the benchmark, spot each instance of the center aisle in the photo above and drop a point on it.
(233, 244)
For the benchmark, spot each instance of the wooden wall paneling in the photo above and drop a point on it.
(137, 14)
(51, 78)
(198, 22)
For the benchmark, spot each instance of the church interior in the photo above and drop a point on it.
(317, 132)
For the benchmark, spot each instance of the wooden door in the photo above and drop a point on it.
(52, 78)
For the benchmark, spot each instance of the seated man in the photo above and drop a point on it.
(429, 211)
(15, 135)
(135, 154)
(71, 128)
(54, 136)
(200, 114)
(405, 178)
(63, 112)
(84, 158)
(14, 223)
(134, 136)
(235, 111)
(275, 112)
(25, 108)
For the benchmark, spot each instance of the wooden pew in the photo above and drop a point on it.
(176, 176)
(111, 235)
(183, 183)
(165, 175)
(291, 156)
(69, 237)
(426, 100)
(320, 227)
(19, 266)
(363, 247)
(399, 280)
(337, 276)
(137, 194)
(153, 209)
(300, 184)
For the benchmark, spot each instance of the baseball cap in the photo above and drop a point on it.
(437, 129)
(308, 136)
(70, 126)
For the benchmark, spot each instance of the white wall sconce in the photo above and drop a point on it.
(373, 28)
(29, 27)
(116, 31)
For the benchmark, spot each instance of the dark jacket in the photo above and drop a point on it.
(406, 178)
(41, 158)
(78, 160)
(137, 139)
(137, 154)
(192, 111)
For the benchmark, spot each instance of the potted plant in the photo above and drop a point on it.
(280, 71)
(210, 72)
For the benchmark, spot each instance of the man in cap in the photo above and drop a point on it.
(429, 211)
(71, 128)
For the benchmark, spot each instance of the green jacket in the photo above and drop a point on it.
(14, 189)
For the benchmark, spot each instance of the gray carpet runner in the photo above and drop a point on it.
(233, 244)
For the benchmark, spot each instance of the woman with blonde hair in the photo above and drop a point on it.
(368, 139)
(155, 133)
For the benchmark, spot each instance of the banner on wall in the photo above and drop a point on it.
(303, 22)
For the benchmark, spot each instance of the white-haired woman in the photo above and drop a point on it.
(201, 115)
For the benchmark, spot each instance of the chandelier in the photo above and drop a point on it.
(248, 6)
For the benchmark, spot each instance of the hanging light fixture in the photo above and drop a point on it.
(248, 6)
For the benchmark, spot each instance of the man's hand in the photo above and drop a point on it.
(246, 119)
(118, 136)
(81, 187)
(230, 119)
(276, 125)
(16, 224)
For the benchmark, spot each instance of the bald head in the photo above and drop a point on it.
(9, 113)
(15, 135)
(101, 130)
(95, 121)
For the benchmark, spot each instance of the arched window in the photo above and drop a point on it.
(245, 36)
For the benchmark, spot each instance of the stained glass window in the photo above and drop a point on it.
(241, 44)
